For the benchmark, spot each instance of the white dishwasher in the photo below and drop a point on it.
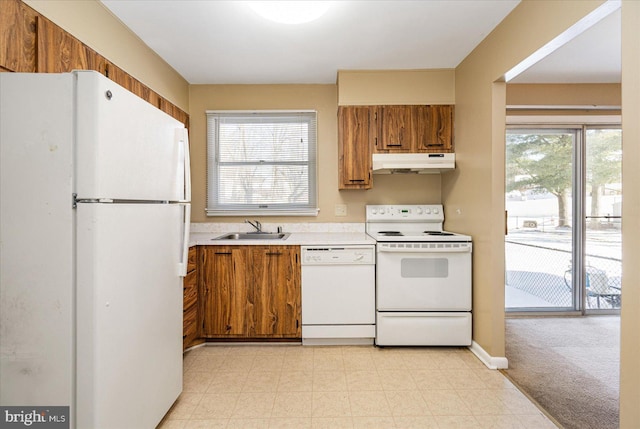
(338, 295)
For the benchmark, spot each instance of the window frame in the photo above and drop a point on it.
(213, 206)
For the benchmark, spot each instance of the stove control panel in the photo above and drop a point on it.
(407, 213)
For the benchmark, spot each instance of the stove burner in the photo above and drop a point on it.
(391, 233)
(437, 233)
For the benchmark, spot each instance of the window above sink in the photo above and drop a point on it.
(261, 163)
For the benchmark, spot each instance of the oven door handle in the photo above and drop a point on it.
(461, 249)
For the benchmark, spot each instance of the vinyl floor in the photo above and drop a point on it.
(294, 386)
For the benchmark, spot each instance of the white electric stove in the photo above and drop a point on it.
(423, 277)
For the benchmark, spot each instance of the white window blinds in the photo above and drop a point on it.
(262, 163)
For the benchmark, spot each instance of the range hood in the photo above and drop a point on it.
(417, 163)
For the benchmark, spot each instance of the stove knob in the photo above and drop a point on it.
(374, 211)
(427, 211)
(419, 211)
(381, 211)
(436, 211)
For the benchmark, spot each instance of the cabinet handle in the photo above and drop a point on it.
(274, 253)
(356, 180)
(223, 253)
(394, 144)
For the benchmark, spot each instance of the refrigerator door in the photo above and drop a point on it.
(126, 148)
(129, 313)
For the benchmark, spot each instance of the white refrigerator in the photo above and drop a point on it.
(94, 226)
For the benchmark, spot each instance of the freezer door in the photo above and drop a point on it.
(129, 313)
(125, 147)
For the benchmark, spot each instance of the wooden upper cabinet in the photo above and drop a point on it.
(60, 52)
(356, 131)
(31, 43)
(432, 128)
(394, 125)
(18, 32)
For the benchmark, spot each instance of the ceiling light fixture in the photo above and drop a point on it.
(290, 12)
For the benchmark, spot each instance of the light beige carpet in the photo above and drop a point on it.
(570, 366)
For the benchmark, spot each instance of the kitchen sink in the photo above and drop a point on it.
(254, 236)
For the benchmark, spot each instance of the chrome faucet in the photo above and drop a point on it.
(257, 225)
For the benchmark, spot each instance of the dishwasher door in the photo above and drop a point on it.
(338, 292)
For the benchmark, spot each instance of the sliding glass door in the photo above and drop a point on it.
(539, 202)
(603, 208)
(563, 201)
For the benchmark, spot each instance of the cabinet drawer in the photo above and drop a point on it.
(190, 328)
(189, 320)
(191, 262)
(190, 296)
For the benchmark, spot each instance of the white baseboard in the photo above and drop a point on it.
(490, 361)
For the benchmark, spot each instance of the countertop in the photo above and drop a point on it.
(295, 239)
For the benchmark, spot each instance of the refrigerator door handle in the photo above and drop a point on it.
(182, 135)
(186, 226)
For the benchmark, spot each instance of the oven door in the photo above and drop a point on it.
(423, 276)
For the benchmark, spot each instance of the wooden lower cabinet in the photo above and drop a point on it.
(250, 292)
(224, 289)
(276, 293)
(190, 302)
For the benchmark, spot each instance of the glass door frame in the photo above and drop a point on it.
(582, 171)
(578, 217)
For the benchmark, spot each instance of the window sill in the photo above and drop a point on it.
(264, 212)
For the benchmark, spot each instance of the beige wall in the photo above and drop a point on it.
(556, 99)
(372, 87)
(93, 24)
(608, 94)
(474, 194)
(606, 97)
(477, 187)
(630, 320)
(322, 98)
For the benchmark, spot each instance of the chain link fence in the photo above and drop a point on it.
(550, 284)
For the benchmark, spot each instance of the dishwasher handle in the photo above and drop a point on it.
(348, 255)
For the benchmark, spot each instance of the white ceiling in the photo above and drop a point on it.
(216, 42)
(594, 56)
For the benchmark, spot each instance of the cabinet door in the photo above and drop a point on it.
(17, 37)
(355, 128)
(276, 293)
(394, 123)
(433, 128)
(224, 286)
(59, 51)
